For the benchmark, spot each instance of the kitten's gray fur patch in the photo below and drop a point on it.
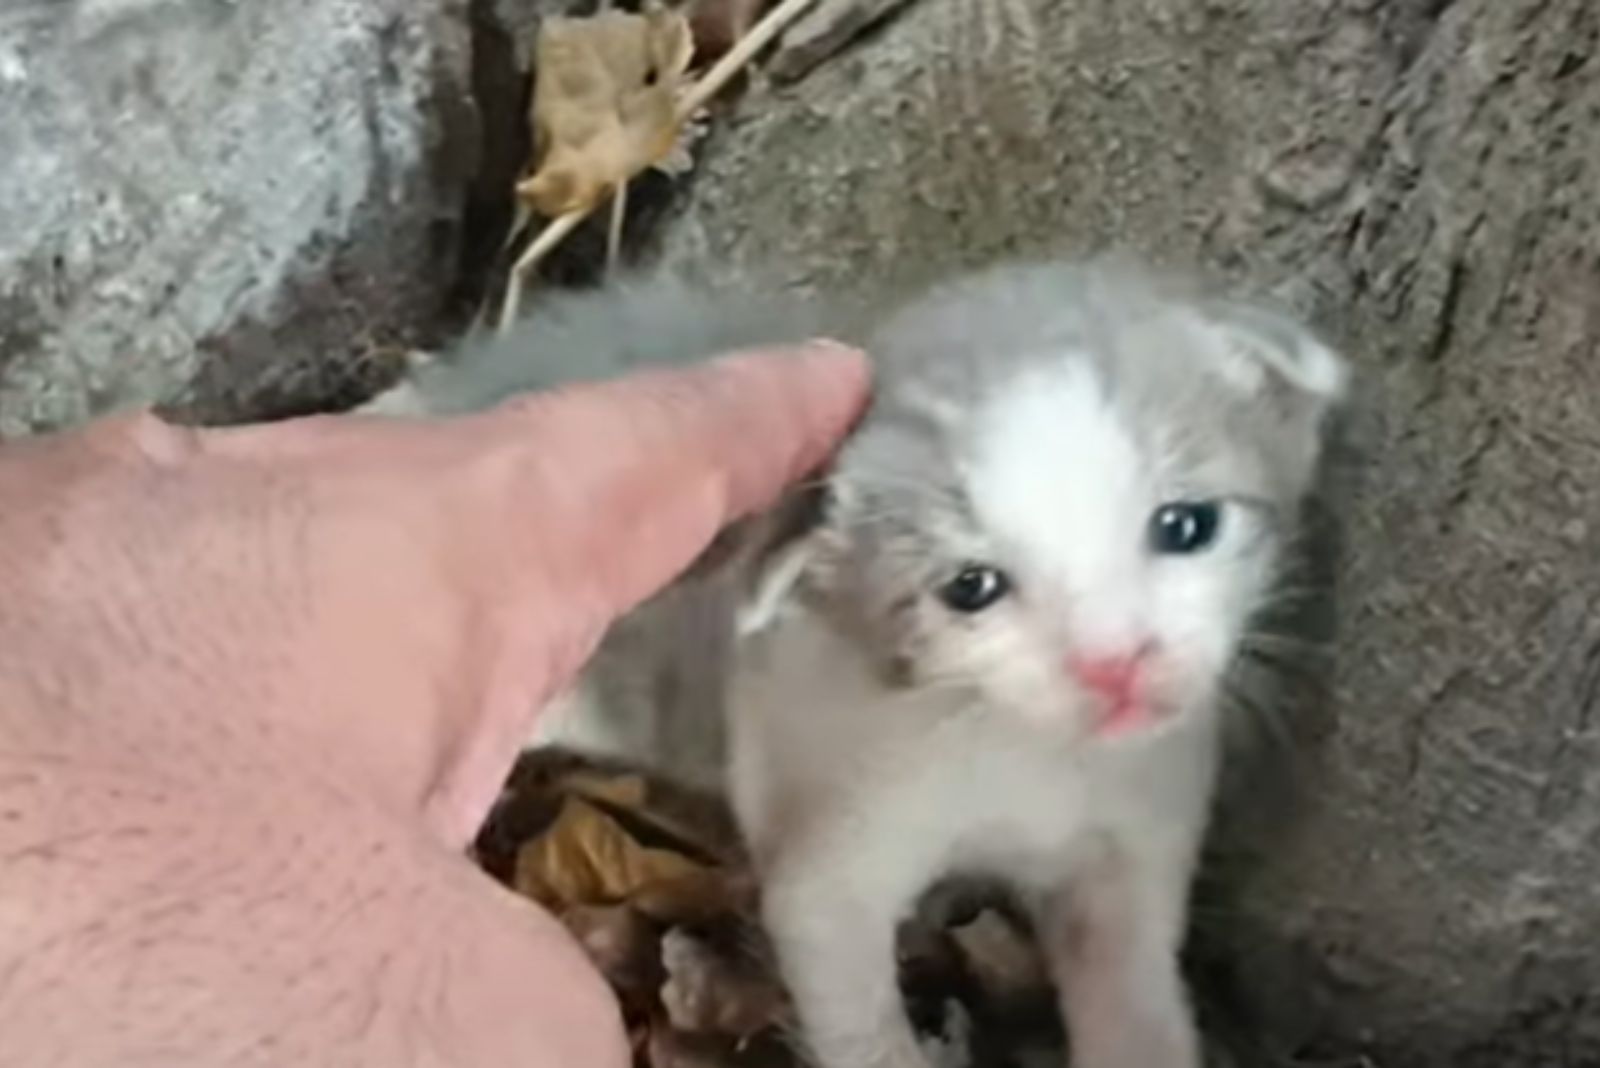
(639, 322)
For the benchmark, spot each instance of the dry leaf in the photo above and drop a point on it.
(925, 956)
(692, 901)
(630, 794)
(587, 858)
(617, 855)
(623, 945)
(680, 160)
(668, 1049)
(610, 100)
(624, 791)
(707, 994)
(605, 104)
(1002, 960)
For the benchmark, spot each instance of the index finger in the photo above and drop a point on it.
(604, 490)
(627, 481)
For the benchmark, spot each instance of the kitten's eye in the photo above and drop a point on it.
(975, 588)
(1184, 527)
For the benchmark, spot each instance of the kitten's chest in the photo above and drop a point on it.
(1035, 811)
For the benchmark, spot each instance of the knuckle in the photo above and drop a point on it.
(145, 437)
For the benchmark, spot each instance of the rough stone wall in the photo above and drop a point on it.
(224, 205)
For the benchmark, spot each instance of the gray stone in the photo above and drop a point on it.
(1423, 179)
(825, 28)
(222, 205)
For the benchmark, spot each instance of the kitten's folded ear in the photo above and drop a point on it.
(778, 552)
(1263, 348)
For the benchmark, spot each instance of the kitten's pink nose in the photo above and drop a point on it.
(1113, 676)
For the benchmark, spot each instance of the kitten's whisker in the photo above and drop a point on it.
(1293, 594)
(1292, 644)
(1279, 672)
(1256, 714)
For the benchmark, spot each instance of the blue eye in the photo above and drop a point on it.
(975, 588)
(1183, 527)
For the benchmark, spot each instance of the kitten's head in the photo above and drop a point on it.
(1070, 493)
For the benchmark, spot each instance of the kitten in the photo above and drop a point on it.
(997, 646)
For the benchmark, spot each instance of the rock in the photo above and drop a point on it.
(1421, 179)
(234, 208)
(829, 26)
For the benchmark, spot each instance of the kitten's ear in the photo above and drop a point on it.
(1262, 349)
(787, 542)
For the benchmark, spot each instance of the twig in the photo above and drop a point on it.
(739, 56)
(619, 212)
(522, 216)
(696, 97)
(552, 235)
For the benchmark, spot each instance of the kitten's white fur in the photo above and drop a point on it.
(877, 742)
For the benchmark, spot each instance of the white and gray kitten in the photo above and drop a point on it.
(998, 646)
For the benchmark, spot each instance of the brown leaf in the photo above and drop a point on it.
(626, 790)
(646, 811)
(667, 1048)
(605, 103)
(706, 993)
(623, 945)
(586, 858)
(926, 957)
(1003, 961)
(696, 900)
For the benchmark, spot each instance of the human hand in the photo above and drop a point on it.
(259, 686)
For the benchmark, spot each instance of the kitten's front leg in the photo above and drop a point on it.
(832, 914)
(1112, 938)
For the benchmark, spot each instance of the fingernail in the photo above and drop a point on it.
(818, 351)
(828, 344)
(828, 351)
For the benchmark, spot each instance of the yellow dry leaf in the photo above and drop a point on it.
(605, 104)
(632, 794)
(627, 791)
(586, 857)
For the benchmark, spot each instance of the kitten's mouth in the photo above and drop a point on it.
(1128, 717)
(1123, 717)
